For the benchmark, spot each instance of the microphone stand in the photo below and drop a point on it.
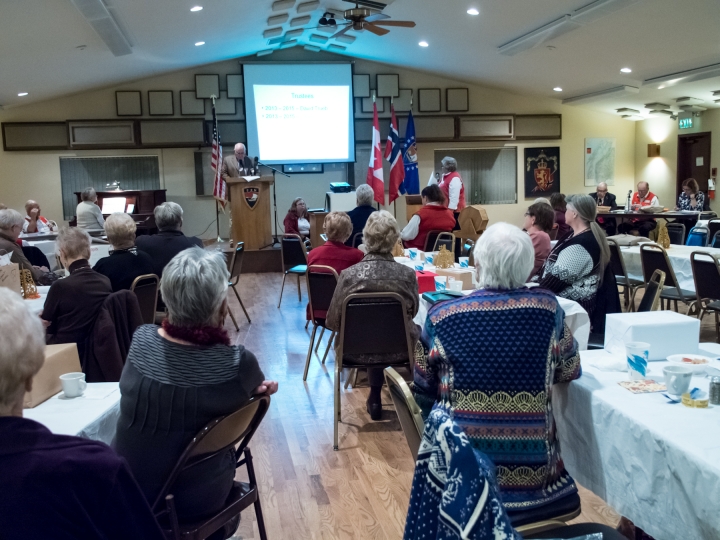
(629, 200)
(274, 170)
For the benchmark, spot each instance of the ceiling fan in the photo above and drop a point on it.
(363, 18)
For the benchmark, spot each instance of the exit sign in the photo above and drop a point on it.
(685, 123)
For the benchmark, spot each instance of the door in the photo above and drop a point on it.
(694, 161)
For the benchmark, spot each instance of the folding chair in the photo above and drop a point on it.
(294, 260)
(654, 257)
(629, 285)
(407, 409)
(321, 281)
(713, 227)
(715, 242)
(706, 274)
(676, 232)
(651, 299)
(698, 236)
(235, 271)
(146, 289)
(357, 239)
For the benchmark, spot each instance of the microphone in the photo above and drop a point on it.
(255, 168)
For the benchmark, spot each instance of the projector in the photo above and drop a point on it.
(340, 187)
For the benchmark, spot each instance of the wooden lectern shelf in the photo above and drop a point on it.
(250, 210)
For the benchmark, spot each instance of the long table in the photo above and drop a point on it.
(654, 462)
(621, 215)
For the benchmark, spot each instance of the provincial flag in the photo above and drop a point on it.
(411, 184)
(393, 154)
(375, 170)
(219, 185)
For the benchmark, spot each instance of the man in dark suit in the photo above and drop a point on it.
(236, 165)
(364, 196)
(603, 198)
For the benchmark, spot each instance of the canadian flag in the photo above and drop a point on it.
(375, 170)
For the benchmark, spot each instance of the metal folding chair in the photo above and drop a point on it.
(706, 274)
(321, 282)
(654, 257)
(235, 271)
(294, 260)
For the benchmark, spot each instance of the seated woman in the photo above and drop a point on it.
(481, 355)
(576, 266)
(433, 216)
(538, 224)
(691, 197)
(87, 489)
(178, 378)
(125, 262)
(377, 272)
(73, 303)
(88, 213)
(557, 201)
(334, 253)
(296, 220)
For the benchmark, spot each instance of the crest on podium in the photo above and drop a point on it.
(251, 195)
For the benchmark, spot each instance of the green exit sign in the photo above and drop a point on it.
(685, 123)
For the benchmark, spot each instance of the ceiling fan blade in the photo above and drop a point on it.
(375, 29)
(405, 24)
(342, 32)
(376, 17)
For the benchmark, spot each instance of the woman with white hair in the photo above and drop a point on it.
(73, 303)
(498, 351)
(86, 490)
(377, 272)
(125, 262)
(452, 186)
(178, 378)
(88, 213)
(364, 196)
(11, 224)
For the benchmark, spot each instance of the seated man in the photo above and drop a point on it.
(364, 195)
(34, 222)
(642, 197)
(603, 198)
(56, 486)
(170, 240)
(11, 224)
(433, 216)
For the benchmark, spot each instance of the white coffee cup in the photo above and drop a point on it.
(440, 283)
(73, 384)
(464, 262)
(456, 285)
(637, 353)
(677, 379)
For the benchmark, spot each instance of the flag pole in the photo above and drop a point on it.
(217, 204)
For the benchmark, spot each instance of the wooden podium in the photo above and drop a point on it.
(250, 210)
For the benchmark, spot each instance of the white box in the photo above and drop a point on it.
(667, 333)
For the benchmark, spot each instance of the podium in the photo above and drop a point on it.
(250, 210)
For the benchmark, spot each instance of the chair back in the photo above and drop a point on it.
(707, 215)
(446, 239)
(233, 430)
(467, 251)
(292, 251)
(706, 274)
(321, 283)
(698, 236)
(236, 262)
(146, 289)
(653, 289)
(407, 409)
(430, 240)
(374, 324)
(715, 240)
(617, 263)
(357, 239)
(654, 257)
(553, 232)
(676, 232)
(714, 227)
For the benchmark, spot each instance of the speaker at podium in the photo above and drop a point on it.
(250, 209)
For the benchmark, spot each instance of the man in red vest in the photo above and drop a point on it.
(433, 216)
(642, 197)
(452, 187)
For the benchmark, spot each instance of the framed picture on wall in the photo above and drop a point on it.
(160, 103)
(361, 85)
(128, 103)
(599, 161)
(429, 100)
(456, 100)
(542, 171)
(388, 85)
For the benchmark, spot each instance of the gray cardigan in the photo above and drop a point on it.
(89, 216)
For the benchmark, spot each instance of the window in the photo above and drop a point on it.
(489, 174)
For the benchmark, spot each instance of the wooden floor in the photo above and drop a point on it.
(307, 489)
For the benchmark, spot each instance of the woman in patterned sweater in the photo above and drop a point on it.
(494, 357)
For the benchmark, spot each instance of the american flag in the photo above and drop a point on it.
(219, 185)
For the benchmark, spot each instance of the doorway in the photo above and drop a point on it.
(694, 161)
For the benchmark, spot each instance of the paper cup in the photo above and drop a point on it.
(456, 285)
(413, 253)
(637, 353)
(419, 266)
(429, 258)
(464, 262)
(440, 283)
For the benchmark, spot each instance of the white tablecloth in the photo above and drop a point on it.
(36, 305)
(93, 415)
(679, 258)
(654, 462)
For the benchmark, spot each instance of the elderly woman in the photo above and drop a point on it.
(377, 272)
(170, 240)
(88, 212)
(557, 201)
(178, 378)
(11, 224)
(296, 220)
(87, 490)
(538, 224)
(73, 303)
(125, 262)
(481, 354)
(691, 197)
(364, 196)
(432, 216)
(451, 185)
(334, 253)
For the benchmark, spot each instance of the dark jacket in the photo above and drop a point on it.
(122, 266)
(609, 200)
(164, 245)
(8, 245)
(359, 216)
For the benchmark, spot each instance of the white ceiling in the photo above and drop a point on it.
(39, 40)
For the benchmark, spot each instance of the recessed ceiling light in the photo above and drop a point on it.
(196, 8)
(557, 89)
(199, 43)
(424, 44)
(626, 70)
(21, 94)
(473, 11)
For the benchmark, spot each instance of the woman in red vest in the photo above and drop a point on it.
(433, 216)
(452, 187)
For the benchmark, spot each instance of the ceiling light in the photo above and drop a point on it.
(626, 110)
(557, 89)
(473, 11)
(538, 36)
(603, 94)
(424, 44)
(199, 43)
(626, 70)
(22, 94)
(661, 113)
(656, 106)
(196, 8)
(690, 75)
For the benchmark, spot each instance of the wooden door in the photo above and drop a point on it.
(694, 160)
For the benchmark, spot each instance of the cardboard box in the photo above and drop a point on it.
(10, 277)
(667, 333)
(59, 359)
(460, 274)
(426, 281)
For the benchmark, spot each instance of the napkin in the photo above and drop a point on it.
(608, 363)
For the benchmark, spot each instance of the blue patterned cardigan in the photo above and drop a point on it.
(491, 359)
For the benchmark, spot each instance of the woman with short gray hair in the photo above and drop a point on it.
(168, 216)
(364, 195)
(88, 213)
(180, 377)
(452, 186)
(503, 343)
(125, 263)
(378, 272)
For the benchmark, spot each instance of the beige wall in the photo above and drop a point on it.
(26, 175)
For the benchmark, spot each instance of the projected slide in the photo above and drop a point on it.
(302, 123)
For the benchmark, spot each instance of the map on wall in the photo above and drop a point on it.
(599, 161)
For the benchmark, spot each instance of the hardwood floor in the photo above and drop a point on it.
(307, 490)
